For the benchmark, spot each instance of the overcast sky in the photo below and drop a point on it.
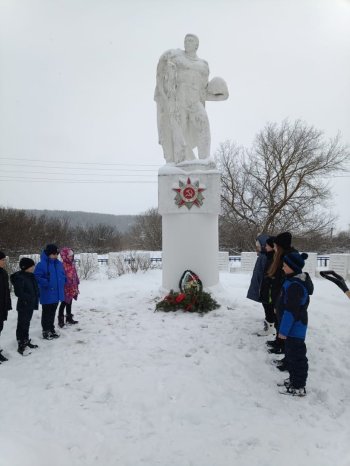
(77, 79)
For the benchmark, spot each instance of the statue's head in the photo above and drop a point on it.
(191, 43)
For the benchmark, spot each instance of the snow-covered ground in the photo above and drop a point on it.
(130, 387)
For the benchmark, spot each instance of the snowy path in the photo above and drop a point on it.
(131, 387)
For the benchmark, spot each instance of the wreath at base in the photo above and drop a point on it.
(191, 298)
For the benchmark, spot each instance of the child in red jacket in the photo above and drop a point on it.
(71, 287)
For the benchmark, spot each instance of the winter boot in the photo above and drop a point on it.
(2, 357)
(30, 345)
(272, 343)
(61, 321)
(54, 334)
(285, 383)
(70, 320)
(277, 350)
(269, 329)
(290, 390)
(22, 348)
(47, 335)
(282, 367)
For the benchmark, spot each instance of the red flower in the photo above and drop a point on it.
(180, 297)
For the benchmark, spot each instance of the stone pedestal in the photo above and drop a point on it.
(189, 202)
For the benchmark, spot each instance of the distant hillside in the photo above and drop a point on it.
(122, 222)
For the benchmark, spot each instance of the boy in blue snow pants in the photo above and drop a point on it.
(293, 304)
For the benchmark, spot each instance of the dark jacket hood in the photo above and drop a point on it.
(305, 278)
(15, 276)
(262, 240)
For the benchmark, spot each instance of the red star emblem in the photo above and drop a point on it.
(189, 194)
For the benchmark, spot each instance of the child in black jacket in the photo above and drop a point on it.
(265, 292)
(5, 297)
(27, 291)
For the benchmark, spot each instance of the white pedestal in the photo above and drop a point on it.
(189, 229)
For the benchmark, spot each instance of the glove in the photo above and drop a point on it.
(335, 278)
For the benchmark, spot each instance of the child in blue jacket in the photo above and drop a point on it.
(51, 278)
(293, 304)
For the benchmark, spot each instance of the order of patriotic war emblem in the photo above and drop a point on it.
(189, 193)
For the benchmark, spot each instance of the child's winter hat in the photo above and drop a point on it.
(25, 263)
(2, 255)
(270, 241)
(65, 253)
(51, 249)
(284, 240)
(295, 261)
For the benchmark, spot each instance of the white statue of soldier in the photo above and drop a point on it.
(181, 91)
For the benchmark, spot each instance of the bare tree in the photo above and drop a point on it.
(87, 266)
(147, 231)
(23, 233)
(279, 184)
(99, 238)
(340, 242)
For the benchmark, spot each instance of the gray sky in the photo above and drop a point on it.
(77, 79)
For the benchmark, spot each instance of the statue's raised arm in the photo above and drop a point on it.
(181, 91)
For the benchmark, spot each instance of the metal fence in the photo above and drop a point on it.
(322, 261)
(104, 260)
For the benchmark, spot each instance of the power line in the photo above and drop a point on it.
(53, 180)
(103, 169)
(79, 168)
(72, 174)
(83, 163)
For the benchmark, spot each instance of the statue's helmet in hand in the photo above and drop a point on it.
(217, 89)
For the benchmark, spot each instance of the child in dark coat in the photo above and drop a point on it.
(27, 291)
(265, 291)
(5, 297)
(282, 246)
(293, 304)
(259, 288)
